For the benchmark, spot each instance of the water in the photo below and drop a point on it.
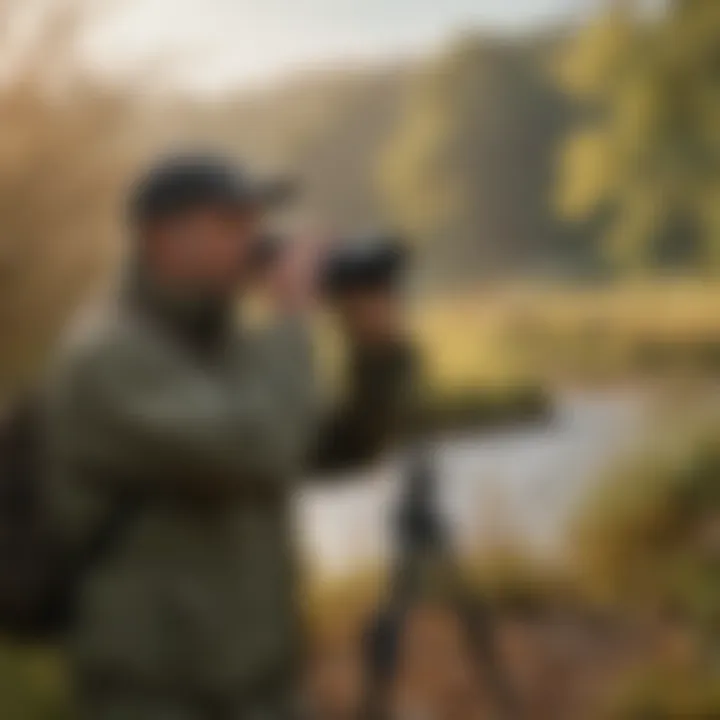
(525, 481)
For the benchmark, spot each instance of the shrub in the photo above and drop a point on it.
(651, 533)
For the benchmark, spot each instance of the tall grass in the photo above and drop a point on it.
(66, 144)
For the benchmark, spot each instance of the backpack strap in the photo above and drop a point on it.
(39, 577)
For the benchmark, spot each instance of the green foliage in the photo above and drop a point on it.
(648, 159)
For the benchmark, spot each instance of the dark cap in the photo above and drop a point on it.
(365, 262)
(185, 182)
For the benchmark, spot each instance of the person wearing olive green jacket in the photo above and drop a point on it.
(175, 441)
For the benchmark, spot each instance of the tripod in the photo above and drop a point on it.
(425, 564)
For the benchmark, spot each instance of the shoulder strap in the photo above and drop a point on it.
(19, 461)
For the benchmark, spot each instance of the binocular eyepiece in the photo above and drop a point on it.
(364, 263)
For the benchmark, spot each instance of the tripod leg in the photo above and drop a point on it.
(484, 641)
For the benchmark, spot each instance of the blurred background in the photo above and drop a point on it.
(556, 164)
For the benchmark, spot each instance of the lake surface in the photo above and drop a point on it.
(527, 481)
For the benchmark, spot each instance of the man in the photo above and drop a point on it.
(174, 442)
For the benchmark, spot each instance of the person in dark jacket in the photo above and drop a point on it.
(199, 430)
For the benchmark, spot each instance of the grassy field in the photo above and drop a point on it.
(504, 337)
(494, 356)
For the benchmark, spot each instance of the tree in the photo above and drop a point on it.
(645, 157)
(467, 168)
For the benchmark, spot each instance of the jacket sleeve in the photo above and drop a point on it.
(132, 414)
(377, 407)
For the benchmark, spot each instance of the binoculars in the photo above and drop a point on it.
(365, 262)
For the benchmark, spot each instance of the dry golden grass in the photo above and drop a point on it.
(66, 146)
(525, 333)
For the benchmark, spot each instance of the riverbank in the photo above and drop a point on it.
(623, 626)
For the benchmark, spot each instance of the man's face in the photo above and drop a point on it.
(206, 249)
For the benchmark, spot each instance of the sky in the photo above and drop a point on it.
(245, 42)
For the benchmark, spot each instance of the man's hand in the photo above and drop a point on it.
(293, 281)
(370, 317)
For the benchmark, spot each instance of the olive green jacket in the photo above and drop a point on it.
(197, 453)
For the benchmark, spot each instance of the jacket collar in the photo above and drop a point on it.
(201, 322)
